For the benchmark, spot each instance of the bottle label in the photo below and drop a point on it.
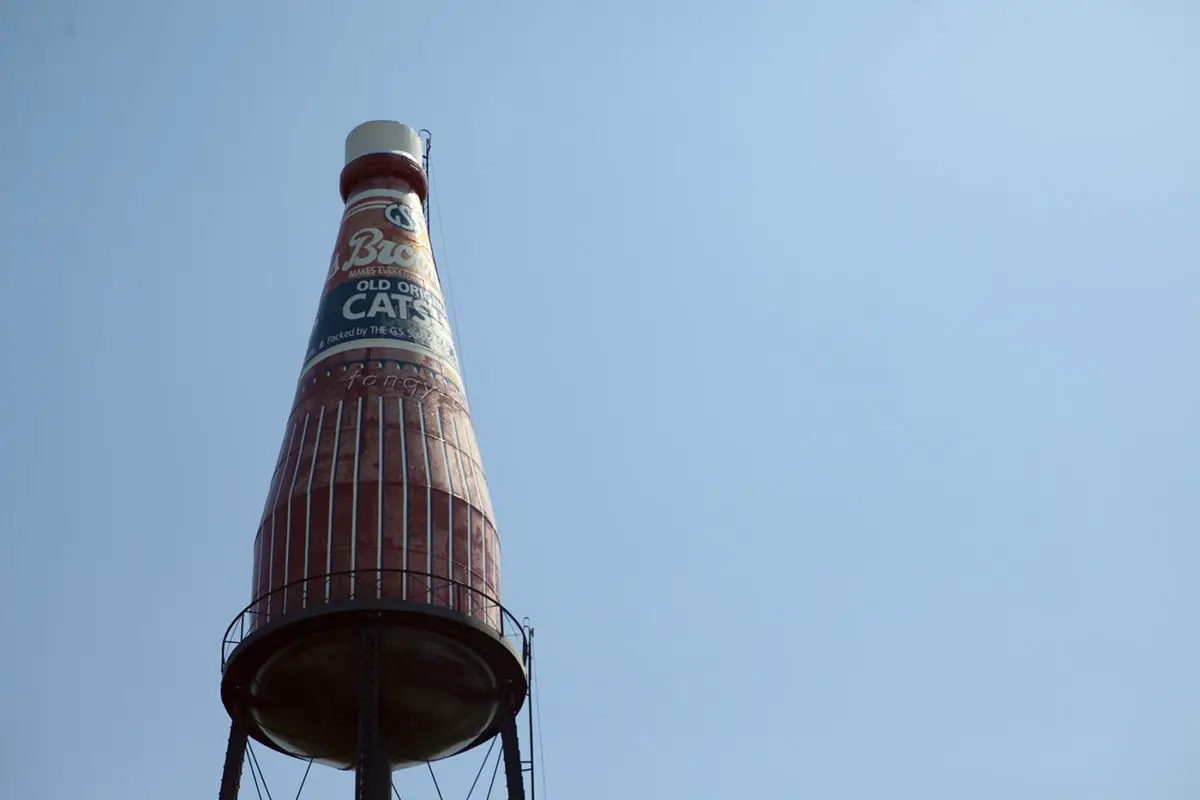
(382, 290)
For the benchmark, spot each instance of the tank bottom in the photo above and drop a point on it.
(446, 682)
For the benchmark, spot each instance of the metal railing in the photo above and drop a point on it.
(339, 590)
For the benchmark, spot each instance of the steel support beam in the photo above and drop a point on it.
(235, 755)
(373, 774)
(512, 758)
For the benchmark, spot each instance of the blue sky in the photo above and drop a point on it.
(830, 363)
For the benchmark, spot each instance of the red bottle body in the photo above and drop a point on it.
(379, 489)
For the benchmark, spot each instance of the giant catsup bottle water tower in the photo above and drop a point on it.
(375, 638)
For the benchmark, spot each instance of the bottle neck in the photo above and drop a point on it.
(376, 169)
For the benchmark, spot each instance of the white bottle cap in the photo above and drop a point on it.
(384, 136)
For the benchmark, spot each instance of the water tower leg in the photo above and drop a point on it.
(512, 758)
(373, 773)
(235, 754)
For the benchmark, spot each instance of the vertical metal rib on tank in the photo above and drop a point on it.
(378, 513)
